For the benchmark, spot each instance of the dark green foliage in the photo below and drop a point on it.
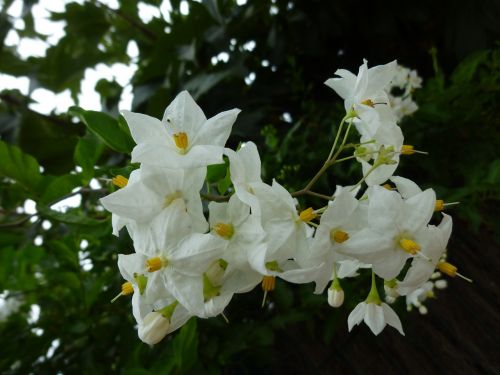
(298, 45)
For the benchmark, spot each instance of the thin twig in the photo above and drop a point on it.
(139, 26)
(215, 198)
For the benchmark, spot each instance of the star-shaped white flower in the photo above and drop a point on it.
(367, 88)
(184, 138)
(376, 316)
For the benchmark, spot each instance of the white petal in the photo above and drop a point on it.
(216, 130)
(145, 128)
(356, 315)
(407, 188)
(184, 115)
(392, 318)
(374, 318)
(418, 210)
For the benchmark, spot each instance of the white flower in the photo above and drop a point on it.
(245, 170)
(184, 138)
(339, 222)
(155, 191)
(240, 230)
(433, 248)
(397, 230)
(367, 88)
(376, 316)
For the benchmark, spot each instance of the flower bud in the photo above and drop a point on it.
(335, 297)
(153, 328)
(390, 291)
(441, 284)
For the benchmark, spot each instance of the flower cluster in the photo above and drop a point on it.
(400, 91)
(190, 258)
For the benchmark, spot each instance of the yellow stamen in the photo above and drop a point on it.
(450, 270)
(127, 288)
(447, 268)
(154, 264)
(224, 230)
(407, 150)
(387, 186)
(268, 283)
(307, 215)
(439, 206)
(368, 102)
(338, 236)
(181, 141)
(119, 181)
(409, 246)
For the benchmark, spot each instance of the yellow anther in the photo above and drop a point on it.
(119, 181)
(407, 150)
(268, 283)
(409, 246)
(154, 264)
(181, 141)
(368, 102)
(307, 215)
(450, 270)
(388, 187)
(338, 236)
(439, 206)
(224, 230)
(447, 268)
(127, 288)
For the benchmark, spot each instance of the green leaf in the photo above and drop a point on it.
(88, 150)
(64, 253)
(224, 184)
(59, 187)
(106, 128)
(185, 346)
(21, 167)
(216, 172)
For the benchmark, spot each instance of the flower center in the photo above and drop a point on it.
(224, 230)
(307, 215)
(338, 236)
(181, 141)
(268, 283)
(154, 264)
(368, 102)
(409, 246)
(119, 181)
(171, 197)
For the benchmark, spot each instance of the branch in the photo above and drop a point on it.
(15, 102)
(215, 198)
(139, 26)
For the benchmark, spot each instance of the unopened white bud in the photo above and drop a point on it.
(335, 297)
(390, 291)
(390, 300)
(436, 275)
(422, 309)
(441, 284)
(153, 328)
